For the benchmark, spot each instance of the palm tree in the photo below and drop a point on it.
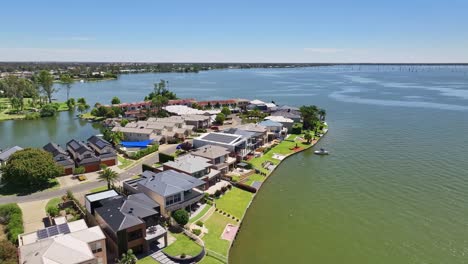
(308, 137)
(110, 176)
(128, 258)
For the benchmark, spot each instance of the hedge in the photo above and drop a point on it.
(245, 187)
(163, 157)
(144, 152)
(12, 217)
(296, 128)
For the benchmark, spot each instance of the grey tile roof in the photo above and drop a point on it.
(54, 149)
(220, 137)
(5, 155)
(211, 151)
(189, 163)
(78, 147)
(169, 182)
(120, 213)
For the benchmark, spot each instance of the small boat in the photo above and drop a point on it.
(321, 152)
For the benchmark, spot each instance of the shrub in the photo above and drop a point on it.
(245, 187)
(32, 116)
(163, 157)
(181, 216)
(12, 217)
(296, 128)
(144, 152)
(52, 210)
(197, 232)
(229, 186)
(79, 170)
(70, 195)
(182, 255)
(200, 130)
(224, 189)
(217, 193)
(49, 110)
(199, 223)
(8, 252)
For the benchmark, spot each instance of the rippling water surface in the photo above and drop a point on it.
(394, 189)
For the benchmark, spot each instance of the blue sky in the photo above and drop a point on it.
(235, 31)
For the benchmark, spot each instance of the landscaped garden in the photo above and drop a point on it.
(254, 178)
(147, 260)
(200, 214)
(124, 163)
(182, 245)
(234, 202)
(210, 260)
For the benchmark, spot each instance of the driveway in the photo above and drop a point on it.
(33, 213)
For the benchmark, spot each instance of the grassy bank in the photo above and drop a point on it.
(7, 112)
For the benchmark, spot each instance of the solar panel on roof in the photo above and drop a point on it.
(41, 234)
(63, 228)
(52, 231)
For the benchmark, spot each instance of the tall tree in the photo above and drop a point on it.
(309, 116)
(46, 81)
(322, 113)
(67, 80)
(110, 176)
(115, 100)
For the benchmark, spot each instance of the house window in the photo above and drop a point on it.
(135, 235)
(96, 247)
(173, 199)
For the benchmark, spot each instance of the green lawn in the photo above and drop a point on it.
(234, 202)
(282, 148)
(216, 224)
(200, 214)
(98, 189)
(183, 244)
(254, 178)
(124, 163)
(10, 189)
(54, 202)
(5, 106)
(147, 260)
(210, 260)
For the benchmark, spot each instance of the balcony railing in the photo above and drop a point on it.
(189, 199)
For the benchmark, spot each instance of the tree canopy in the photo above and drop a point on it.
(46, 80)
(225, 110)
(30, 167)
(220, 118)
(181, 216)
(115, 100)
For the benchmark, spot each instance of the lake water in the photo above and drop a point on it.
(393, 190)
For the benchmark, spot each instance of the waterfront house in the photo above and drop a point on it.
(291, 114)
(136, 134)
(274, 128)
(128, 223)
(70, 242)
(197, 121)
(236, 144)
(5, 155)
(104, 150)
(217, 156)
(286, 122)
(260, 131)
(61, 157)
(83, 156)
(172, 190)
(254, 139)
(195, 166)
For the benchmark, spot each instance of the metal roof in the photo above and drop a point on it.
(221, 138)
(5, 155)
(169, 182)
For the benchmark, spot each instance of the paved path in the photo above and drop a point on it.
(161, 258)
(133, 170)
(33, 213)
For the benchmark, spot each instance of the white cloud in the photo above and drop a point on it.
(323, 50)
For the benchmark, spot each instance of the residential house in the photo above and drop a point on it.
(275, 129)
(195, 166)
(104, 150)
(70, 242)
(291, 114)
(5, 155)
(254, 139)
(217, 156)
(287, 122)
(137, 134)
(261, 131)
(61, 157)
(197, 121)
(257, 104)
(172, 190)
(83, 156)
(236, 144)
(128, 223)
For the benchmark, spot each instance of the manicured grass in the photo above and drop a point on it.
(200, 214)
(234, 202)
(124, 163)
(10, 189)
(147, 260)
(216, 224)
(210, 260)
(6, 107)
(284, 147)
(54, 202)
(98, 189)
(183, 244)
(255, 177)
